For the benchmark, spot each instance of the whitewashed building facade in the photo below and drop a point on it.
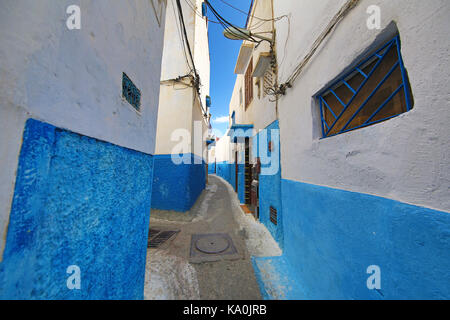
(183, 119)
(361, 103)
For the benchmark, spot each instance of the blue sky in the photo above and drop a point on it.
(223, 53)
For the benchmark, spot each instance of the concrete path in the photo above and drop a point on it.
(172, 274)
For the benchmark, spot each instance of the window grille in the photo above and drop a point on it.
(130, 92)
(376, 90)
(273, 216)
(267, 82)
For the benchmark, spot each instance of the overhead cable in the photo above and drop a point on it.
(194, 69)
(183, 27)
(181, 36)
(250, 15)
(227, 25)
(345, 9)
(192, 6)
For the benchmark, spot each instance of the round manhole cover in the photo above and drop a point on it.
(212, 245)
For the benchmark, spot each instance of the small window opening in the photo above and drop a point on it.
(267, 82)
(273, 216)
(375, 90)
(131, 93)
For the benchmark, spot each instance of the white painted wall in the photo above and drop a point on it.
(199, 131)
(174, 62)
(202, 62)
(237, 104)
(180, 105)
(73, 78)
(261, 112)
(405, 158)
(212, 154)
(175, 112)
(224, 149)
(201, 52)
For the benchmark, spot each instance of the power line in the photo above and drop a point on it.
(180, 16)
(243, 12)
(196, 76)
(181, 36)
(227, 25)
(262, 20)
(347, 7)
(192, 6)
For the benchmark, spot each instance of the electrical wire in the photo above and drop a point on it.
(181, 36)
(346, 8)
(196, 80)
(246, 13)
(243, 12)
(179, 80)
(192, 6)
(186, 39)
(262, 20)
(257, 25)
(227, 25)
(286, 41)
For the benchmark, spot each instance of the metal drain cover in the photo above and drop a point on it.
(212, 247)
(213, 244)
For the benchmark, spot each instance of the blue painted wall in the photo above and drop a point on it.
(77, 201)
(270, 187)
(226, 171)
(211, 167)
(177, 186)
(332, 236)
(241, 182)
(276, 279)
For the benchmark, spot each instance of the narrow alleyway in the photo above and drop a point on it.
(171, 271)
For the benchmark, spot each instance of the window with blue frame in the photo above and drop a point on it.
(376, 90)
(130, 92)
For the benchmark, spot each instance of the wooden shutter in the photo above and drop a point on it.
(249, 84)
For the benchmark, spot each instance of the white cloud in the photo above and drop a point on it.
(218, 133)
(223, 119)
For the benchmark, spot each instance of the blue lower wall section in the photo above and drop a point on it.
(227, 171)
(77, 201)
(241, 183)
(270, 187)
(332, 236)
(177, 186)
(211, 168)
(273, 275)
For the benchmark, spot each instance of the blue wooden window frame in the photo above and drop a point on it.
(378, 56)
(130, 92)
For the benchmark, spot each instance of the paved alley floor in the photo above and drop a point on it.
(171, 272)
